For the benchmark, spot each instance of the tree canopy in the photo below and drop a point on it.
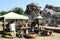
(16, 10)
(2, 13)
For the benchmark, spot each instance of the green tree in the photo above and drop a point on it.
(17, 10)
(3, 12)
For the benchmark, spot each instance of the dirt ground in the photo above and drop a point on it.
(55, 36)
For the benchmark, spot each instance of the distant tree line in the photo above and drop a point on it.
(16, 10)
